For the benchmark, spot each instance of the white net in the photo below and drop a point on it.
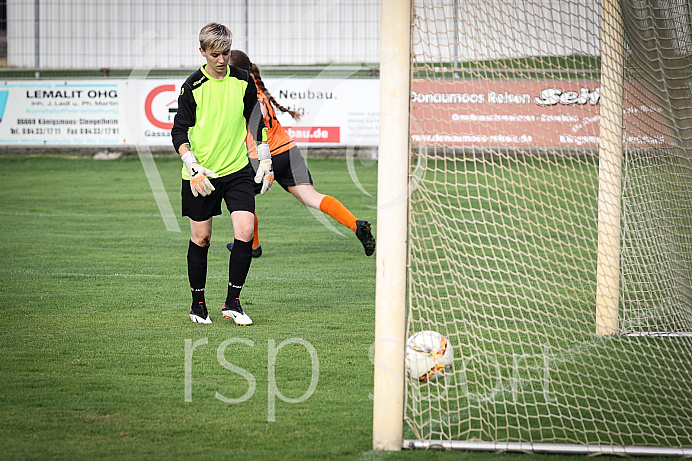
(503, 224)
(657, 198)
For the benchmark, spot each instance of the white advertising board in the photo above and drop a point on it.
(80, 113)
(136, 111)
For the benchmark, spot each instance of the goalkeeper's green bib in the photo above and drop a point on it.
(218, 134)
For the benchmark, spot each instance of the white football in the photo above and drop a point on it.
(429, 355)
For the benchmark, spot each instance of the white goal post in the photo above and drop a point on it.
(392, 203)
(535, 207)
(610, 169)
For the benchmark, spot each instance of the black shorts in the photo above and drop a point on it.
(237, 189)
(289, 169)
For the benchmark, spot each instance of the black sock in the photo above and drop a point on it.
(197, 270)
(238, 267)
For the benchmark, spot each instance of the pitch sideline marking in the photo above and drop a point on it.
(156, 184)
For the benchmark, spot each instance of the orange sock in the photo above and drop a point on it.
(255, 236)
(338, 211)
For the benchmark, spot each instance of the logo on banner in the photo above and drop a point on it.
(327, 134)
(161, 110)
(3, 103)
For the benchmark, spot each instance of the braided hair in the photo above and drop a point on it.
(242, 61)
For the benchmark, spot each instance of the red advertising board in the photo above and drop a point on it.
(509, 114)
(316, 134)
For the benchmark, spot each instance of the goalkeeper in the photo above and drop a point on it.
(289, 166)
(216, 106)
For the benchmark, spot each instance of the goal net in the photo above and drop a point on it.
(550, 224)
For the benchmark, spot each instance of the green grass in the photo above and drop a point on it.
(94, 323)
(531, 67)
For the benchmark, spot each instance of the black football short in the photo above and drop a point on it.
(289, 169)
(236, 189)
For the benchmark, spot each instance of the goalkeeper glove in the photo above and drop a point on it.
(265, 172)
(199, 183)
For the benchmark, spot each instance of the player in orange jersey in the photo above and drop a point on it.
(290, 170)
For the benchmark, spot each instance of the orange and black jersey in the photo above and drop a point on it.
(279, 141)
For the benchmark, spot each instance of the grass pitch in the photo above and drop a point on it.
(97, 358)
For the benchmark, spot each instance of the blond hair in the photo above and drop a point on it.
(215, 37)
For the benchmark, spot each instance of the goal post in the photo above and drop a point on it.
(610, 169)
(535, 208)
(392, 202)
